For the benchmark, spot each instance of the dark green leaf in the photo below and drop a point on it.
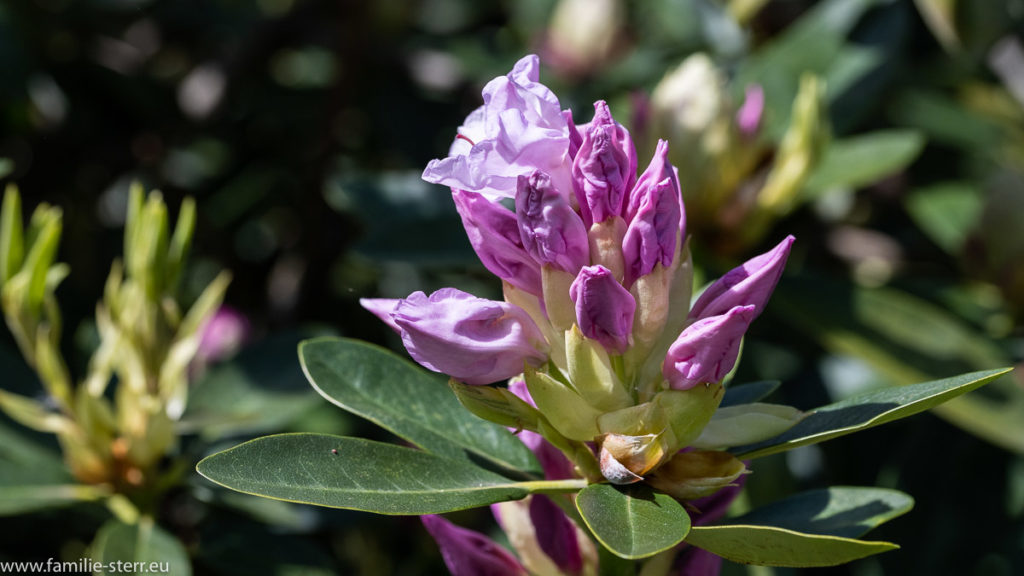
(403, 398)
(143, 542)
(837, 511)
(357, 474)
(771, 546)
(633, 521)
(867, 410)
(748, 393)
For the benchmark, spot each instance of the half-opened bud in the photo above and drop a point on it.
(707, 349)
(604, 168)
(471, 339)
(604, 309)
(551, 232)
(655, 216)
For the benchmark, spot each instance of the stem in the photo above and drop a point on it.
(554, 486)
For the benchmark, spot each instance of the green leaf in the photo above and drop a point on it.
(143, 543)
(747, 393)
(946, 212)
(771, 546)
(633, 521)
(393, 393)
(906, 339)
(864, 159)
(849, 512)
(356, 474)
(12, 248)
(868, 410)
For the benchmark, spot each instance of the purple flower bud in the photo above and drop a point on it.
(751, 283)
(470, 553)
(707, 349)
(494, 234)
(655, 214)
(471, 339)
(556, 534)
(549, 228)
(604, 309)
(604, 168)
(748, 117)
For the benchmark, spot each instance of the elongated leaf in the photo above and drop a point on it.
(771, 546)
(145, 543)
(747, 393)
(357, 474)
(633, 521)
(31, 497)
(946, 212)
(849, 512)
(391, 392)
(867, 410)
(864, 159)
(906, 339)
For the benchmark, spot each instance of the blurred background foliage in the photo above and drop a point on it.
(300, 127)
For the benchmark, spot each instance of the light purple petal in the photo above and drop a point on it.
(470, 553)
(751, 283)
(707, 349)
(604, 168)
(556, 534)
(748, 117)
(604, 309)
(575, 138)
(494, 234)
(549, 228)
(520, 128)
(382, 308)
(471, 339)
(655, 214)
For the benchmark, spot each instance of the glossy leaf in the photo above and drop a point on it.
(750, 392)
(633, 521)
(867, 410)
(356, 474)
(906, 339)
(771, 546)
(143, 542)
(849, 512)
(401, 397)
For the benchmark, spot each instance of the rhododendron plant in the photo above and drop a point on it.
(601, 396)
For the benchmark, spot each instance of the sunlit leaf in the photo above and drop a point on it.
(376, 384)
(357, 474)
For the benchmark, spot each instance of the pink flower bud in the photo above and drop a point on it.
(748, 117)
(655, 215)
(707, 349)
(549, 228)
(751, 283)
(471, 339)
(494, 234)
(470, 553)
(604, 168)
(604, 309)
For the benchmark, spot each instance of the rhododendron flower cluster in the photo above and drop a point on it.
(614, 374)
